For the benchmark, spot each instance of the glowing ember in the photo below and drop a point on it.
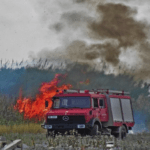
(36, 109)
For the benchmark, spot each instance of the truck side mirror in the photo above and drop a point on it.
(46, 104)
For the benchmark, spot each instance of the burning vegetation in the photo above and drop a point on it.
(35, 109)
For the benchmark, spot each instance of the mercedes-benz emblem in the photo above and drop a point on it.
(65, 118)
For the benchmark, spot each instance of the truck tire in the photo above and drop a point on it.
(94, 130)
(122, 132)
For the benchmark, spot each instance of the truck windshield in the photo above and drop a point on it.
(71, 102)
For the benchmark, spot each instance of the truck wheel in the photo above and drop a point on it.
(94, 130)
(81, 132)
(122, 132)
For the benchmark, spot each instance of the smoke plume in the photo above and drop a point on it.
(109, 33)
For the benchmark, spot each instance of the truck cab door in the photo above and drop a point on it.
(96, 110)
(103, 110)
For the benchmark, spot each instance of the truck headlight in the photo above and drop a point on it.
(81, 126)
(52, 117)
(48, 126)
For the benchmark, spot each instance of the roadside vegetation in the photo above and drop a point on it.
(140, 141)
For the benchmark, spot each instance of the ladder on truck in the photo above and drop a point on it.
(97, 91)
(102, 91)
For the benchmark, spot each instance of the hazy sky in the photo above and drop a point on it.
(21, 30)
(27, 27)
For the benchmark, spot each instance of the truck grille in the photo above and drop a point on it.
(72, 120)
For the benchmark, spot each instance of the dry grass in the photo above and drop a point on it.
(21, 128)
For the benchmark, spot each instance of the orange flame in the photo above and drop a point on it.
(36, 109)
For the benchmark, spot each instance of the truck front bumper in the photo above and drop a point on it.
(66, 126)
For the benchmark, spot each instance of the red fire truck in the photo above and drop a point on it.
(91, 112)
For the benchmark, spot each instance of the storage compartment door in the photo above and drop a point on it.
(116, 109)
(127, 110)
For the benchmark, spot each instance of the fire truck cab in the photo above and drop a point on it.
(91, 112)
